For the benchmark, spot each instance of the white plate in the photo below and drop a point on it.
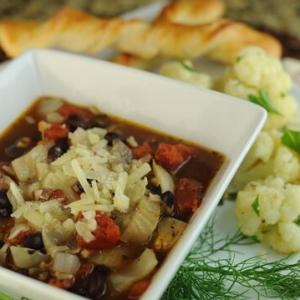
(225, 215)
(199, 115)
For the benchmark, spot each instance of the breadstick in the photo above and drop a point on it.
(75, 30)
(185, 12)
(192, 12)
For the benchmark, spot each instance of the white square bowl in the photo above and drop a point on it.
(212, 119)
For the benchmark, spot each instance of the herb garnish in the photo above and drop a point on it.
(187, 66)
(282, 94)
(255, 205)
(238, 59)
(204, 276)
(263, 100)
(291, 139)
(297, 221)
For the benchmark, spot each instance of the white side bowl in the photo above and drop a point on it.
(212, 119)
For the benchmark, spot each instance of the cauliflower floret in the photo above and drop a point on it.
(273, 238)
(286, 164)
(259, 204)
(248, 220)
(287, 106)
(270, 210)
(253, 72)
(290, 209)
(261, 151)
(275, 182)
(267, 205)
(257, 164)
(185, 71)
(284, 238)
(238, 89)
(290, 234)
(263, 147)
(256, 69)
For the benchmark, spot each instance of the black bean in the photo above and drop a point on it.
(5, 206)
(13, 151)
(94, 285)
(154, 189)
(75, 121)
(58, 149)
(19, 147)
(111, 136)
(168, 198)
(34, 241)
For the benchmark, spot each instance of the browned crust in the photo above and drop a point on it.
(75, 30)
(192, 12)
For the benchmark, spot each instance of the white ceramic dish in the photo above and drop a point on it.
(214, 120)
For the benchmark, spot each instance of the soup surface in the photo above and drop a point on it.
(92, 203)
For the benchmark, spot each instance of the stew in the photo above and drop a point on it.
(92, 203)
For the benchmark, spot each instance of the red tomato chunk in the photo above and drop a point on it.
(142, 150)
(61, 283)
(107, 234)
(56, 132)
(84, 270)
(138, 289)
(187, 195)
(172, 156)
(67, 110)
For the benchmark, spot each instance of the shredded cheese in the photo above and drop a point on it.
(17, 195)
(138, 173)
(80, 176)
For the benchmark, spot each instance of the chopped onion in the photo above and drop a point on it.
(66, 263)
(50, 105)
(25, 258)
(163, 178)
(2, 258)
(25, 166)
(54, 117)
(137, 270)
(114, 258)
(3, 254)
(143, 222)
(54, 237)
(34, 217)
(169, 231)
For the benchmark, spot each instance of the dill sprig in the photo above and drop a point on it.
(205, 276)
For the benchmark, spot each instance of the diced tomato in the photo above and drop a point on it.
(49, 194)
(58, 195)
(187, 195)
(142, 150)
(17, 240)
(56, 132)
(61, 283)
(7, 225)
(107, 234)
(84, 270)
(172, 156)
(138, 289)
(68, 110)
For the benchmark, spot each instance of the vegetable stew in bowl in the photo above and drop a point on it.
(92, 203)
